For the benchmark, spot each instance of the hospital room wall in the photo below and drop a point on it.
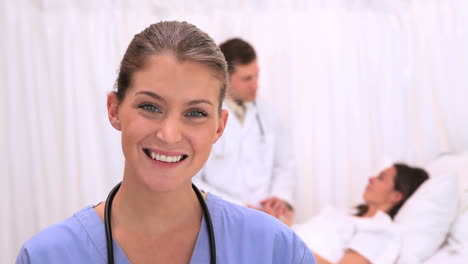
(356, 85)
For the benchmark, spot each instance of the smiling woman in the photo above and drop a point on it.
(170, 111)
(167, 106)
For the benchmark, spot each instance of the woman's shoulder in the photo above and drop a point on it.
(66, 229)
(66, 238)
(262, 235)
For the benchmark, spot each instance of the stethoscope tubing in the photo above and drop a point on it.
(108, 226)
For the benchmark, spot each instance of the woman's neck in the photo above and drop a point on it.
(138, 209)
(373, 209)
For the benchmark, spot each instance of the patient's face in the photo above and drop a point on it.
(380, 189)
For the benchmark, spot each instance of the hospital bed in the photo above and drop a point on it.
(431, 227)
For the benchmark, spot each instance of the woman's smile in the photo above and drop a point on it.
(164, 157)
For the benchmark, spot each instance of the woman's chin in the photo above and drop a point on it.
(165, 185)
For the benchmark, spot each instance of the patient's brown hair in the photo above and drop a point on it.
(407, 181)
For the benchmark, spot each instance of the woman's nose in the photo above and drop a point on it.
(169, 130)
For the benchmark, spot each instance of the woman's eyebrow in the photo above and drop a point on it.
(151, 94)
(158, 97)
(199, 101)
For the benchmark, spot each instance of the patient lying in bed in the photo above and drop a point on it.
(336, 235)
(367, 234)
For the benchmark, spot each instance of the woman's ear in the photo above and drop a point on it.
(221, 124)
(397, 196)
(113, 110)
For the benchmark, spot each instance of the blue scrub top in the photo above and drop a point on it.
(242, 235)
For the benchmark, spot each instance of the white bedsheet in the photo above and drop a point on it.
(449, 255)
(333, 231)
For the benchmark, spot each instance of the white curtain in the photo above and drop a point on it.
(358, 84)
(376, 87)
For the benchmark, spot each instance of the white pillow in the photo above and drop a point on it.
(425, 218)
(458, 163)
(458, 238)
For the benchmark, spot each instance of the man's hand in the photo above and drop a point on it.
(277, 208)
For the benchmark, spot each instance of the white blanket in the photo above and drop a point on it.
(450, 255)
(333, 231)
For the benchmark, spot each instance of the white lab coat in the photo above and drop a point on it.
(246, 165)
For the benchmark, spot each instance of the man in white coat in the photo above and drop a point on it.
(251, 164)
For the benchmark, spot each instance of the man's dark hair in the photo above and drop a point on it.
(237, 51)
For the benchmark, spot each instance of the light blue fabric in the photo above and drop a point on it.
(242, 236)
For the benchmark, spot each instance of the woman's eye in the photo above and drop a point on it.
(196, 113)
(149, 108)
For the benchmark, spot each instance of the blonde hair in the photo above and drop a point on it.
(184, 40)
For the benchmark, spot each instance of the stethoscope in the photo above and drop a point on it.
(107, 224)
(259, 122)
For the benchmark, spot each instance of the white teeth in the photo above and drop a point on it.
(164, 158)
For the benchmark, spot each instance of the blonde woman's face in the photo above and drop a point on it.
(169, 120)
